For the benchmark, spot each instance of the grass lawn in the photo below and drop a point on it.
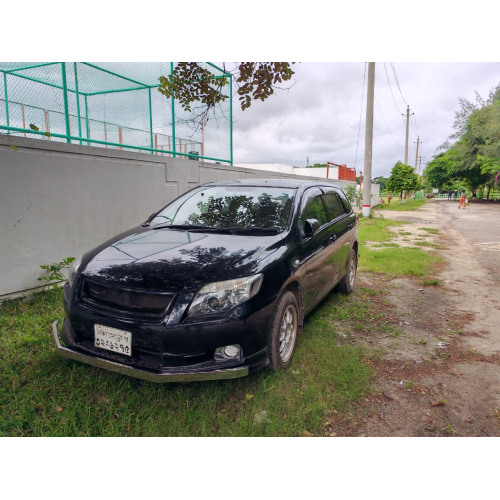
(385, 257)
(42, 394)
(397, 205)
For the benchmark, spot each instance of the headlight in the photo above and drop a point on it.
(224, 295)
(73, 269)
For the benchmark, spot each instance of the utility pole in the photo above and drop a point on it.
(360, 188)
(367, 185)
(407, 127)
(416, 155)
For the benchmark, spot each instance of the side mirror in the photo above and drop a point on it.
(310, 227)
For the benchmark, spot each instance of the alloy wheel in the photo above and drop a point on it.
(288, 333)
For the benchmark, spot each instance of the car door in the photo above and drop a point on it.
(341, 221)
(315, 250)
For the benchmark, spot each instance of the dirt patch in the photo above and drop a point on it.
(437, 368)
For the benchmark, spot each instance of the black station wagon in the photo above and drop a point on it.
(214, 285)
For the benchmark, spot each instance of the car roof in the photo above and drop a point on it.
(273, 182)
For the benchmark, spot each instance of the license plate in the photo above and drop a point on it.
(113, 339)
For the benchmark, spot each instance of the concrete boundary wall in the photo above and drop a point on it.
(59, 200)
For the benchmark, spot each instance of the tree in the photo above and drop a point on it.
(190, 82)
(382, 181)
(402, 178)
(467, 108)
(438, 172)
(479, 148)
(482, 135)
(473, 160)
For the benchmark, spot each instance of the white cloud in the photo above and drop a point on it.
(320, 115)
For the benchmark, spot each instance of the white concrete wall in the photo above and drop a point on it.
(375, 188)
(59, 200)
(333, 172)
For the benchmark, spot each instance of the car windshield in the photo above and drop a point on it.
(229, 207)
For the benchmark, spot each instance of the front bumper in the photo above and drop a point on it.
(130, 371)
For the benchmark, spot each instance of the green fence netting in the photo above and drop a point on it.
(111, 105)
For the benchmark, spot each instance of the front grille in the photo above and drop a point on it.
(120, 298)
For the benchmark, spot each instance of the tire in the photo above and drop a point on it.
(346, 284)
(285, 328)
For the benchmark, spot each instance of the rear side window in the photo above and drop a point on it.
(345, 202)
(334, 205)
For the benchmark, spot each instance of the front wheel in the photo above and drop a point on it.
(346, 284)
(283, 333)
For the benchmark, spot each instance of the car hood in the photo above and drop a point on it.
(177, 260)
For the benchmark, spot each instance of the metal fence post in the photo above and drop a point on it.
(6, 101)
(150, 121)
(87, 120)
(78, 104)
(65, 94)
(173, 113)
(231, 118)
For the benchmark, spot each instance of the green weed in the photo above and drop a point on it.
(431, 282)
(52, 273)
(376, 230)
(429, 230)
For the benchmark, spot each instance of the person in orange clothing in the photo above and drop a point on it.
(462, 200)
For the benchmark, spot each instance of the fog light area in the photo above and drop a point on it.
(227, 352)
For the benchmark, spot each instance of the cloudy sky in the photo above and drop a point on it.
(322, 115)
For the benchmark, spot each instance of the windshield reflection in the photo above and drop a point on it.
(230, 207)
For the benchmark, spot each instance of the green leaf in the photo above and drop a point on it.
(13, 147)
(33, 127)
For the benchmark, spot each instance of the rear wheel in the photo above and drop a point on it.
(346, 284)
(283, 333)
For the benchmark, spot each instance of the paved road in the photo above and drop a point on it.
(472, 259)
(479, 225)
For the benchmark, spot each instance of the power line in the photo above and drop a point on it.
(396, 78)
(390, 88)
(387, 125)
(415, 126)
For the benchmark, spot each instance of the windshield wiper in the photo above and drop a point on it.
(178, 226)
(208, 229)
(191, 227)
(235, 230)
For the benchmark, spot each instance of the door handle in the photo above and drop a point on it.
(349, 226)
(332, 238)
